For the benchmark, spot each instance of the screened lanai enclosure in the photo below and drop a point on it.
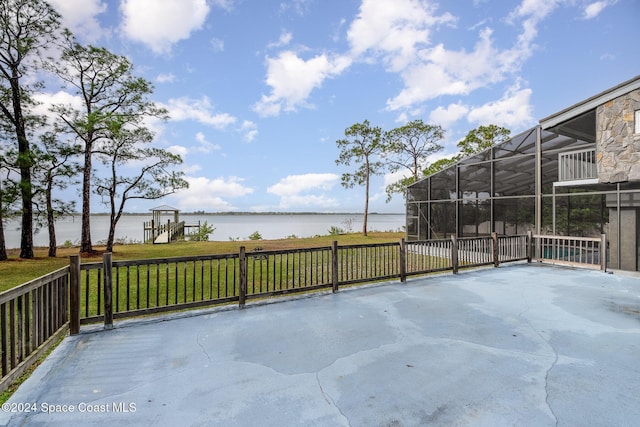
(575, 174)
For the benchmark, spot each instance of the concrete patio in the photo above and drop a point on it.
(525, 345)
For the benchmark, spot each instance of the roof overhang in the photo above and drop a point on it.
(589, 104)
(573, 127)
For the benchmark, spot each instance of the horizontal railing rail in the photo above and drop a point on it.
(475, 251)
(588, 252)
(367, 263)
(272, 273)
(428, 256)
(514, 248)
(141, 287)
(34, 315)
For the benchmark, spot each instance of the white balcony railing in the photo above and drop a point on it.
(577, 165)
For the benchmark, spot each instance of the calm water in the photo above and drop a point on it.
(130, 227)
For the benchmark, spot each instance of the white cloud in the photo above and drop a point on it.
(528, 16)
(191, 169)
(392, 178)
(178, 149)
(398, 35)
(166, 78)
(593, 9)
(211, 194)
(250, 130)
(402, 118)
(199, 110)
(535, 9)
(161, 24)
(292, 79)
(446, 116)
(47, 100)
(424, 82)
(394, 30)
(205, 146)
(298, 190)
(512, 110)
(294, 184)
(284, 39)
(80, 17)
(446, 72)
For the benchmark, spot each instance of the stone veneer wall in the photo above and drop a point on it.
(617, 147)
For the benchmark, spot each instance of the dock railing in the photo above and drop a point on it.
(167, 232)
(33, 316)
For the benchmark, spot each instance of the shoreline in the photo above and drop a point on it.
(244, 213)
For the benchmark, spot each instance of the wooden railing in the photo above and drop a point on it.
(429, 256)
(119, 289)
(574, 251)
(165, 233)
(34, 315)
(367, 263)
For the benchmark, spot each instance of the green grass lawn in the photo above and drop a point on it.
(16, 271)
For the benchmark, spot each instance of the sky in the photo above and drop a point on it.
(259, 91)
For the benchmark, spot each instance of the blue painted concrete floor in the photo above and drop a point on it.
(524, 345)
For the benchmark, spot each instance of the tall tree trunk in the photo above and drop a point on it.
(51, 221)
(26, 236)
(24, 163)
(115, 215)
(366, 205)
(112, 223)
(3, 249)
(85, 240)
(111, 238)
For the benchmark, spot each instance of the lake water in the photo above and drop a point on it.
(270, 226)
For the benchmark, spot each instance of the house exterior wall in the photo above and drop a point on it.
(626, 257)
(617, 146)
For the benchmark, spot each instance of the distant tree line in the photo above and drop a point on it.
(407, 148)
(43, 153)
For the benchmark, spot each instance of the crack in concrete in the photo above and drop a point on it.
(329, 399)
(546, 385)
(202, 347)
(555, 361)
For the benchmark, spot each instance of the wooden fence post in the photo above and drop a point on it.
(529, 246)
(454, 254)
(603, 252)
(74, 294)
(108, 287)
(242, 287)
(334, 266)
(494, 238)
(403, 261)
